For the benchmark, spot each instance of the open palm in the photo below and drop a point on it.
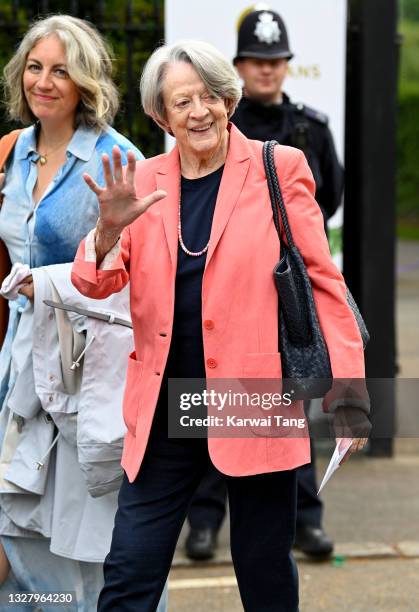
(118, 202)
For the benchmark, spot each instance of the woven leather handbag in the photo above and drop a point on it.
(7, 144)
(304, 355)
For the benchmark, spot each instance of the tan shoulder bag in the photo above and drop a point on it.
(7, 144)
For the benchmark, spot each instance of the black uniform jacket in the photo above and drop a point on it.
(302, 127)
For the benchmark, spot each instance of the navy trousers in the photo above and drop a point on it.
(208, 507)
(151, 512)
(309, 505)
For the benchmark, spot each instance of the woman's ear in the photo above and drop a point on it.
(163, 124)
(229, 107)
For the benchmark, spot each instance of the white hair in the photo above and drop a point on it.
(216, 72)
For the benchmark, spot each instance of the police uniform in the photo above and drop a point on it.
(262, 34)
(298, 126)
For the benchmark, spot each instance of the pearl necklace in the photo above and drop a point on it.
(179, 233)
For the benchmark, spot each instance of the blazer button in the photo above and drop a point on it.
(209, 324)
(212, 363)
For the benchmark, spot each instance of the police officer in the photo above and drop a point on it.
(266, 113)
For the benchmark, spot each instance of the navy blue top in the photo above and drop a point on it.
(198, 198)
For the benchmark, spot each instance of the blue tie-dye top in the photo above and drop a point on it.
(51, 232)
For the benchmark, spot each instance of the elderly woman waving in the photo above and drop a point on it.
(193, 231)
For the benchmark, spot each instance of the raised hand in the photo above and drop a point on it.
(118, 202)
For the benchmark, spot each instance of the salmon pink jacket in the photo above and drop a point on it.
(239, 298)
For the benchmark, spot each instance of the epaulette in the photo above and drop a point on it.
(313, 114)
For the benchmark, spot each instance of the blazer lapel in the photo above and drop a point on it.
(234, 175)
(168, 178)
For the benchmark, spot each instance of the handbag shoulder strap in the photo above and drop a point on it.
(277, 201)
(7, 144)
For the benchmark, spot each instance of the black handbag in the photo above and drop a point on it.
(305, 361)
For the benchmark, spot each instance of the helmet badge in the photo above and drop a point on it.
(267, 30)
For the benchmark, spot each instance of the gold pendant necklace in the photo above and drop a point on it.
(43, 157)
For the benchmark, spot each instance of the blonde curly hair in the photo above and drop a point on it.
(89, 65)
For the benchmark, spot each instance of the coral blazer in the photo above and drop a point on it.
(239, 297)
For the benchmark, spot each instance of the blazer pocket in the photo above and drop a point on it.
(262, 365)
(131, 399)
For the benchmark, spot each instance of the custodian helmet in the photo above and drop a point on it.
(262, 34)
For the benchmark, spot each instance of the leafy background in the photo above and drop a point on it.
(408, 122)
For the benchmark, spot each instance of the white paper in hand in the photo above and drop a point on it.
(340, 451)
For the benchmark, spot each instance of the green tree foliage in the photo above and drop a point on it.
(408, 139)
(408, 126)
(132, 27)
(409, 9)
(409, 60)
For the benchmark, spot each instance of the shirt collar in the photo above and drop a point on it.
(83, 142)
(81, 145)
(26, 143)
